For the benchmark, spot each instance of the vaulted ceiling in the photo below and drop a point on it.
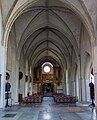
(50, 29)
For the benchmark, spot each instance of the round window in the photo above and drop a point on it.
(46, 69)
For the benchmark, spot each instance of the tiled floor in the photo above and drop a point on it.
(49, 110)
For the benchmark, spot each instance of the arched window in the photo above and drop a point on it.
(47, 67)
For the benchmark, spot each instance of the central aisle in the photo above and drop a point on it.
(48, 110)
(48, 100)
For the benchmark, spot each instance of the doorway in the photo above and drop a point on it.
(47, 89)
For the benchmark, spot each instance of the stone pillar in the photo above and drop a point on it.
(64, 83)
(87, 88)
(28, 77)
(82, 83)
(22, 67)
(95, 71)
(26, 88)
(2, 72)
(83, 90)
(67, 83)
(15, 79)
(32, 80)
(78, 80)
(2, 66)
(26, 74)
(30, 88)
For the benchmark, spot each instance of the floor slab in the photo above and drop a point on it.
(49, 110)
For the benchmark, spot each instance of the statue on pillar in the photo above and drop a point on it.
(91, 85)
(7, 89)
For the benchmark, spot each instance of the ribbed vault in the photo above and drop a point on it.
(48, 29)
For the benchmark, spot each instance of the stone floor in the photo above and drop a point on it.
(49, 110)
